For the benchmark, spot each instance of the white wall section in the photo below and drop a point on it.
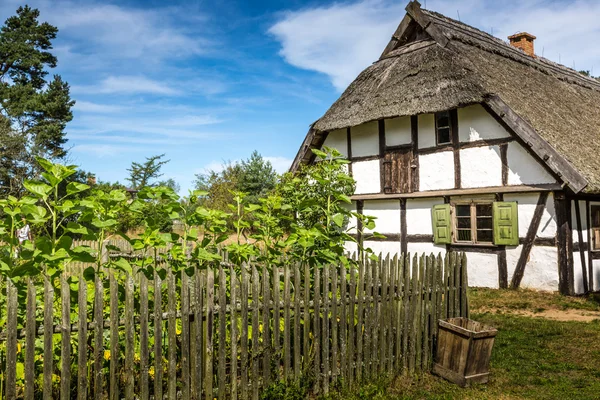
(426, 131)
(364, 139)
(418, 215)
(436, 171)
(387, 213)
(338, 139)
(385, 248)
(526, 208)
(475, 123)
(398, 131)
(482, 270)
(480, 167)
(367, 176)
(523, 169)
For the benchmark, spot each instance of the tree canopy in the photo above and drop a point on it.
(141, 175)
(34, 111)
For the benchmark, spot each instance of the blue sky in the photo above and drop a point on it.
(211, 81)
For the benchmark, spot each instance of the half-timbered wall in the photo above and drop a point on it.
(484, 154)
(407, 225)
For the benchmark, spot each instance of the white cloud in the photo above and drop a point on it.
(106, 150)
(342, 39)
(280, 164)
(128, 85)
(87, 106)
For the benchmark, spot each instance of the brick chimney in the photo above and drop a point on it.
(523, 41)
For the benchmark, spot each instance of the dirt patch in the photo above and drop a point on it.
(553, 314)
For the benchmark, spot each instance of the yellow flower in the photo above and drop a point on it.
(107, 354)
(151, 371)
(18, 347)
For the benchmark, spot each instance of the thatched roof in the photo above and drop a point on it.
(450, 64)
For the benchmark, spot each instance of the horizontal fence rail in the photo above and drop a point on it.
(227, 331)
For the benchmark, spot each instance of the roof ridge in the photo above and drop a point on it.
(515, 54)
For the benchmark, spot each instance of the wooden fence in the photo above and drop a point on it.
(228, 331)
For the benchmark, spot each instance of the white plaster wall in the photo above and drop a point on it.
(583, 227)
(398, 131)
(418, 215)
(541, 270)
(523, 169)
(526, 209)
(352, 222)
(338, 139)
(387, 213)
(480, 167)
(482, 270)
(351, 247)
(577, 272)
(436, 171)
(385, 248)
(364, 139)
(474, 123)
(596, 274)
(367, 176)
(426, 130)
(427, 248)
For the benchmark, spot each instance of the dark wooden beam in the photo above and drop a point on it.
(360, 205)
(563, 245)
(456, 147)
(528, 245)
(504, 160)
(589, 241)
(349, 149)
(502, 270)
(581, 250)
(460, 192)
(414, 135)
(398, 36)
(365, 158)
(467, 145)
(403, 227)
(535, 143)
(414, 10)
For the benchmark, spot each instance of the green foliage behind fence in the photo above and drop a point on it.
(228, 331)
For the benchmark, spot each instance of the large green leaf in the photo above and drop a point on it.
(76, 187)
(38, 189)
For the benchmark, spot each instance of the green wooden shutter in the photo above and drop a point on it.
(506, 223)
(440, 216)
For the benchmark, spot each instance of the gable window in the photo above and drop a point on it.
(595, 217)
(477, 222)
(442, 128)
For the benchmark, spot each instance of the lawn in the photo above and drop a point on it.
(548, 347)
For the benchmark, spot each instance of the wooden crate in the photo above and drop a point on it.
(464, 348)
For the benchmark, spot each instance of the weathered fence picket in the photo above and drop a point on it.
(229, 330)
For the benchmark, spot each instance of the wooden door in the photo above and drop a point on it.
(397, 171)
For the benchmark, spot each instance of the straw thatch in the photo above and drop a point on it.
(423, 76)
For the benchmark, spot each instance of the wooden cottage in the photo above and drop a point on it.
(460, 141)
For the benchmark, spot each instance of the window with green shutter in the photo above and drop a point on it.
(442, 232)
(506, 228)
(476, 222)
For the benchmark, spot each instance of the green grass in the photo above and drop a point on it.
(533, 358)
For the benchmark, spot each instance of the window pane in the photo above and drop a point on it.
(596, 239)
(463, 210)
(464, 235)
(443, 119)
(595, 217)
(483, 210)
(463, 222)
(484, 236)
(484, 223)
(443, 135)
